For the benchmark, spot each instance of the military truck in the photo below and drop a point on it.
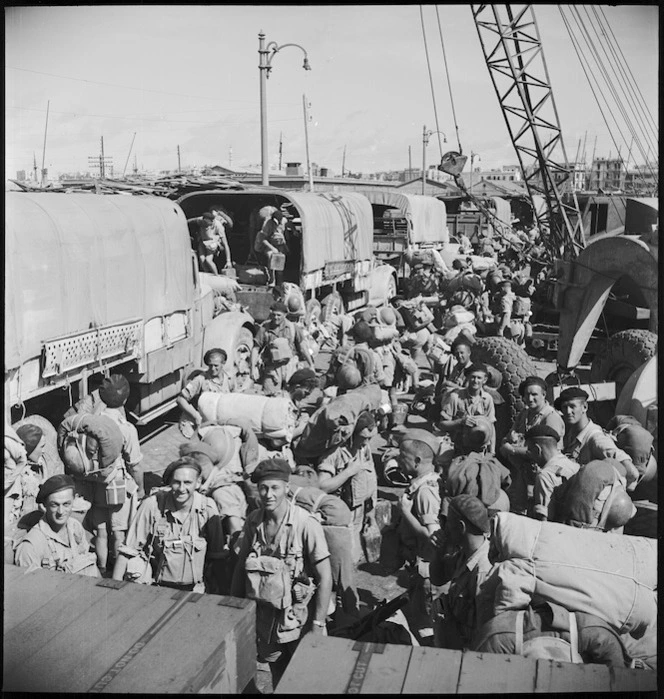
(100, 283)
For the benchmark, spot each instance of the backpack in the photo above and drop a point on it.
(366, 364)
(548, 647)
(76, 461)
(279, 350)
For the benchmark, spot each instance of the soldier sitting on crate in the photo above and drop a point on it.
(283, 564)
(215, 380)
(458, 611)
(460, 407)
(349, 472)
(278, 345)
(56, 541)
(176, 538)
(584, 440)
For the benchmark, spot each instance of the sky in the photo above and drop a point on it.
(188, 76)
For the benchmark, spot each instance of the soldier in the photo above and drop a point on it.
(278, 344)
(57, 541)
(93, 403)
(281, 552)
(177, 532)
(214, 380)
(34, 474)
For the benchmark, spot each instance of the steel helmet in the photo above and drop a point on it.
(223, 444)
(393, 473)
(295, 305)
(479, 435)
(621, 510)
(348, 376)
(387, 316)
(368, 314)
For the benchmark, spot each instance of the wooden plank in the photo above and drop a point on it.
(25, 593)
(104, 622)
(627, 680)
(555, 676)
(211, 648)
(320, 665)
(432, 671)
(386, 672)
(495, 673)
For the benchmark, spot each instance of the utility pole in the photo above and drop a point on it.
(230, 157)
(281, 146)
(410, 164)
(425, 140)
(100, 161)
(48, 104)
(128, 154)
(34, 167)
(343, 163)
(306, 142)
(179, 168)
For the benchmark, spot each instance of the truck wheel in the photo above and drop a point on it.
(514, 365)
(623, 354)
(242, 358)
(54, 465)
(391, 291)
(333, 305)
(312, 311)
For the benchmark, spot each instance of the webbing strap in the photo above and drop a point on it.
(518, 641)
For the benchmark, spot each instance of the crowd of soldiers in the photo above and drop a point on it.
(283, 515)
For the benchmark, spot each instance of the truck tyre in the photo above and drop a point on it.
(54, 465)
(242, 358)
(312, 311)
(623, 354)
(391, 291)
(514, 365)
(333, 305)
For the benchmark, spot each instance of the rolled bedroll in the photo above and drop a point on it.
(611, 576)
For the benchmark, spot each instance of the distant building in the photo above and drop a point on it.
(607, 175)
(20, 175)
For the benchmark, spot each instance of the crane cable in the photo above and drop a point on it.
(449, 83)
(433, 95)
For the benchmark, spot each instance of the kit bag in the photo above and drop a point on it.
(279, 350)
(361, 359)
(549, 647)
(416, 316)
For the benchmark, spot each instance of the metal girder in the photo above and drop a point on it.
(513, 52)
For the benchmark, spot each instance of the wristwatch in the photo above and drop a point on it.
(318, 623)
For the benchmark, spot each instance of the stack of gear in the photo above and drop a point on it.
(269, 417)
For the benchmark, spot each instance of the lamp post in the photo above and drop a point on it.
(265, 56)
(426, 135)
(472, 160)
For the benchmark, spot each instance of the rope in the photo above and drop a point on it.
(433, 95)
(449, 84)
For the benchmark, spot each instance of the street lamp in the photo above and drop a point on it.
(426, 135)
(265, 56)
(472, 160)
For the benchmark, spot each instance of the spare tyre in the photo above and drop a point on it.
(514, 365)
(623, 354)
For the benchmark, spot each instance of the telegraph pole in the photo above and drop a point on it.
(410, 164)
(343, 163)
(34, 166)
(179, 168)
(100, 161)
(281, 146)
(306, 142)
(48, 104)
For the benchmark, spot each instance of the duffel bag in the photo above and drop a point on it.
(611, 576)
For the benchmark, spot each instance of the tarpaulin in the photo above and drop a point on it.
(79, 261)
(427, 216)
(335, 228)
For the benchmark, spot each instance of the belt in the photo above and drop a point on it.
(176, 586)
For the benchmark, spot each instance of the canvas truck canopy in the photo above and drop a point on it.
(80, 261)
(427, 216)
(337, 237)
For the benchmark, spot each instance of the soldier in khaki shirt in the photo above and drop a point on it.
(56, 542)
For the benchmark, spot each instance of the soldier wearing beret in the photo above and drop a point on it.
(458, 612)
(177, 531)
(283, 563)
(554, 467)
(585, 441)
(56, 541)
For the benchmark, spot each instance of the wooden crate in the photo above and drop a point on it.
(324, 665)
(69, 633)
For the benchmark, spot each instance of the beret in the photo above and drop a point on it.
(472, 510)
(54, 484)
(274, 469)
(569, 394)
(462, 339)
(182, 462)
(542, 431)
(476, 366)
(302, 376)
(531, 381)
(30, 435)
(114, 390)
(187, 448)
(279, 306)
